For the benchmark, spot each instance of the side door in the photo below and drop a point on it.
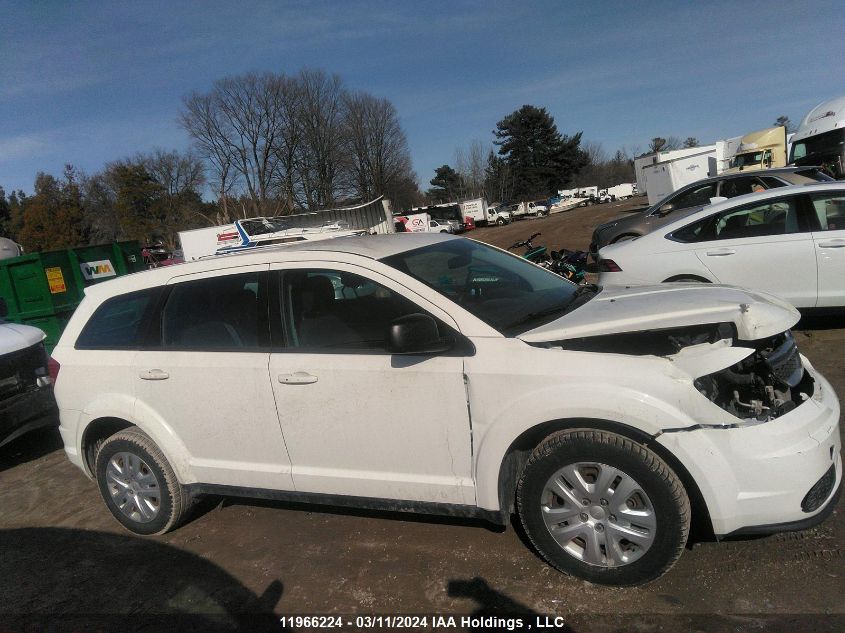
(357, 419)
(828, 218)
(764, 245)
(204, 375)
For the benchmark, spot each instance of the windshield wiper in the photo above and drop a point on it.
(531, 316)
(581, 296)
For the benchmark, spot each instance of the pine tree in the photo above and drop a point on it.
(447, 185)
(540, 159)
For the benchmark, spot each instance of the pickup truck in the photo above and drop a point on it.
(26, 392)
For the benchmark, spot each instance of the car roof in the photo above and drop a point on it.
(772, 171)
(751, 198)
(369, 246)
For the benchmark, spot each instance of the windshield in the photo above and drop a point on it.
(444, 214)
(263, 226)
(746, 160)
(503, 290)
(822, 149)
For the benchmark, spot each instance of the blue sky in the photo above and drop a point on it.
(86, 83)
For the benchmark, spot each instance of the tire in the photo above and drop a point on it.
(163, 502)
(688, 280)
(591, 542)
(500, 222)
(624, 238)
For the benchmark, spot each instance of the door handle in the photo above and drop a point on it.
(721, 252)
(153, 374)
(297, 378)
(838, 243)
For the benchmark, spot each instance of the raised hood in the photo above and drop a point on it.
(631, 309)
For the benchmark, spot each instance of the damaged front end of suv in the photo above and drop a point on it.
(768, 383)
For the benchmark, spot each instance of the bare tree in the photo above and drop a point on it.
(470, 163)
(321, 164)
(375, 145)
(205, 124)
(238, 126)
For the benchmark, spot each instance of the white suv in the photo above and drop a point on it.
(435, 374)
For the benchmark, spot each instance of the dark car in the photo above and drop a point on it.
(696, 195)
(26, 392)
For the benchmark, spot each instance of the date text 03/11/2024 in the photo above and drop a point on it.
(422, 622)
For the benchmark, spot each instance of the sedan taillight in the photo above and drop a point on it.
(53, 367)
(609, 266)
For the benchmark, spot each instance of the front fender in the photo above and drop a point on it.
(575, 401)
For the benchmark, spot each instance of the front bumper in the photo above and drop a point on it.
(755, 478)
(27, 411)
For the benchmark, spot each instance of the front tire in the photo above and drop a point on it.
(601, 507)
(138, 485)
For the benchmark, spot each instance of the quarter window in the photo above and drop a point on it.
(214, 314)
(118, 322)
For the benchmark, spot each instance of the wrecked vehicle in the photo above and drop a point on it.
(26, 392)
(609, 420)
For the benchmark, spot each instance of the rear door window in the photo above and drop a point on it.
(119, 323)
(224, 313)
(733, 187)
(772, 217)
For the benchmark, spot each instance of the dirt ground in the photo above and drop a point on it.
(65, 564)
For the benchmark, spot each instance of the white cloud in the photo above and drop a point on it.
(22, 147)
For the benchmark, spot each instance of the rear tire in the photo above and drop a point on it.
(138, 485)
(689, 279)
(624, 238)
(601, 507)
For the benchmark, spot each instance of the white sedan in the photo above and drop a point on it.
(788, 241)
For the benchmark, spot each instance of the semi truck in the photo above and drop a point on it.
(820, 138)
(761, 149)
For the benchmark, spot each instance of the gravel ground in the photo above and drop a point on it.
(238, 564)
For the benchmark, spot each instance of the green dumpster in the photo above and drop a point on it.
(43, 289)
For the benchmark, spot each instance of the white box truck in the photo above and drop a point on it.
(482, 213)
(674, 171)
(643, 164)
(622, 191)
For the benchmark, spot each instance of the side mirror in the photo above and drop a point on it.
(666, 209)
(4, 309)
(416, 334)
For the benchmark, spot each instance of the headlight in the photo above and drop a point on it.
(767, 384)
